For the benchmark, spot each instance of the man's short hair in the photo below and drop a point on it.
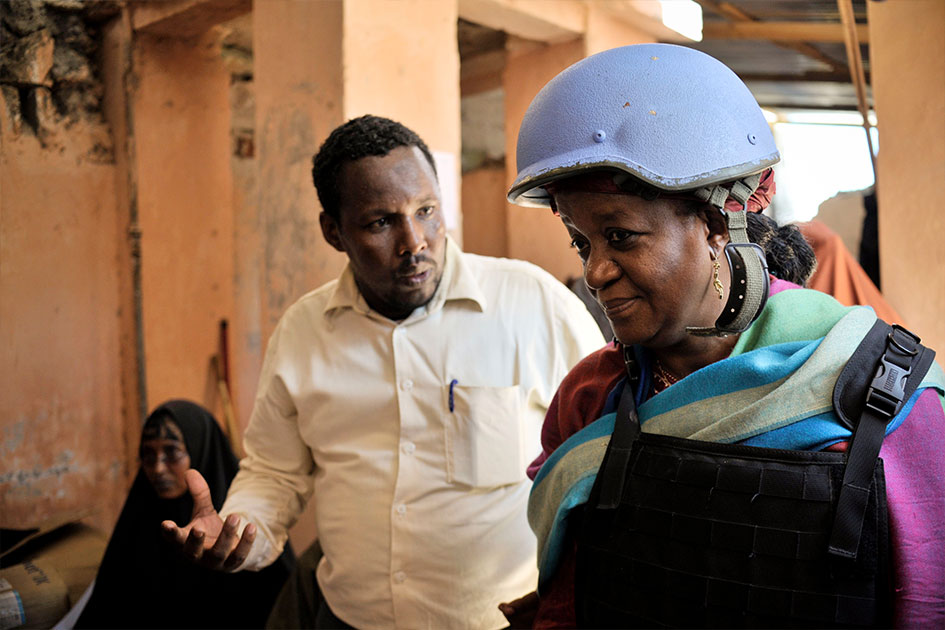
(356, 139)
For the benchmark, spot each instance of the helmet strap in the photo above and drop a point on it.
(747, 265)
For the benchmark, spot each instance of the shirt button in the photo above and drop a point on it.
(407, 385)
(400, 577)
(409, 448)
(401, 509)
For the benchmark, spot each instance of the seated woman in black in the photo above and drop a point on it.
(143, 582)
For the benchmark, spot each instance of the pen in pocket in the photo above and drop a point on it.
(452, 385)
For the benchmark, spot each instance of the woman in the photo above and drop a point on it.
(143, 582)
(656, 157)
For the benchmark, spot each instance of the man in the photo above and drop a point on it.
(408, 395)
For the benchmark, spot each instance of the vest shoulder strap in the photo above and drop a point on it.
(881, 375)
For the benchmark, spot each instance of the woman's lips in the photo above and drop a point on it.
(618, 307)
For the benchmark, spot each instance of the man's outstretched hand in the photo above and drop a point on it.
(207, 540)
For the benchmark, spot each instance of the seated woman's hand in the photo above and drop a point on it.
(521, 612)
(208, 540)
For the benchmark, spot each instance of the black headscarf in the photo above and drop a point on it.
(143, 582)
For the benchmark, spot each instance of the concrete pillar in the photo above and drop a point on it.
(485, 212)
(184, 188)
(535, 235)
(393, 70)
(907, 58)
(298, 79)
(603, 32)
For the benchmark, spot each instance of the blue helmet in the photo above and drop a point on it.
(671, 116)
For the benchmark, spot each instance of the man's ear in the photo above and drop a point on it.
(330, 231)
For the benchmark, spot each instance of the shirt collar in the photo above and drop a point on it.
(458, 283)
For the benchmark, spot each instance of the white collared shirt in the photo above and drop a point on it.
(415, 437)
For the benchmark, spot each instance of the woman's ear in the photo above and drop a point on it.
(718, 228)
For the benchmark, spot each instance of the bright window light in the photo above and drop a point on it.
(684, 17)
(770, 116)
(820, 157)
(827, 118)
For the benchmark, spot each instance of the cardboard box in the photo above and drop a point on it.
(32, 595)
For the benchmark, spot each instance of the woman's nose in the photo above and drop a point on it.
(599, 270)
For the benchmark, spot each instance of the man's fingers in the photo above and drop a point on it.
(173, 533)
(238, 555)
(200, 491)
(217, 555)
(193, 545)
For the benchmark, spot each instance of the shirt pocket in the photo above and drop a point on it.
(484, 436)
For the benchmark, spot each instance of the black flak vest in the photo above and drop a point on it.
(689, 534)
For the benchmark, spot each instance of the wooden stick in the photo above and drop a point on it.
(855, 62)
(230, 424)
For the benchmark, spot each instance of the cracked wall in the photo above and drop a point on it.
(62, 430)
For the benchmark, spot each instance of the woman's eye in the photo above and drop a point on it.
(580, 245)
(174, 454)
(425, 211)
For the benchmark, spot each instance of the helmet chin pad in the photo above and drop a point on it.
(748, 293)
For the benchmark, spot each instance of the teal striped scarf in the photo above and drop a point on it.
(775, 391)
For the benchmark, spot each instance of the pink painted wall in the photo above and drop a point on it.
(62, 434)
(182, 138)
(603, 32)
(298, 70)
(397, 68)
(484, 212)
(907, 58)
(245, 332)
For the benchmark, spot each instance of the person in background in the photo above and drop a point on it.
(405, 398)
(142, 581)
(705, 471)
(840, 275)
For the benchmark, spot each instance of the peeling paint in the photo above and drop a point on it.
(65, 464)
(13, 437)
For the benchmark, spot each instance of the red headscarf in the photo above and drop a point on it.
(603, 182)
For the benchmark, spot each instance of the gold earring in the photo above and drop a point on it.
(716, 282)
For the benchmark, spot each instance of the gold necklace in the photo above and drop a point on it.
(662, 377)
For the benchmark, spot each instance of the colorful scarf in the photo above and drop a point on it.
(775, 391)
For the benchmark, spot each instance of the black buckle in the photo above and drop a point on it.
(886, 393)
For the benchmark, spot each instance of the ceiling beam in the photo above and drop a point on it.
(642, 15)
(481, 73)
(538, 20)
(727, 9)
(185, 18)
(806, 104)
(819, 77)
(783, 31)
(732, 12)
